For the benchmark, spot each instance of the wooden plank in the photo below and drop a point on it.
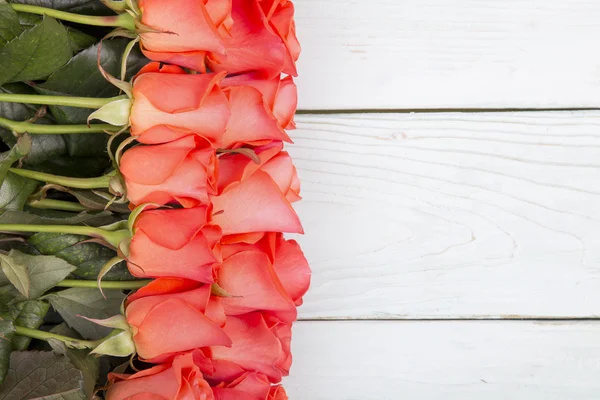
(452, 360)
(452, 215)
(389, 54)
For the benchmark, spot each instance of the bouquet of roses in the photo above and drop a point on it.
(144, 197)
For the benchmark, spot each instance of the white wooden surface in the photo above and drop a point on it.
(457, 217)
(451, 215)
(365, 54)
(487, 360)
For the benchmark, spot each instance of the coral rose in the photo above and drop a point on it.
(257, 197)
(260, 344)
(182, 171)
(184, 32)
(170, 104)
(174, 243)
(249, 386)
(182, 380)
(269, 275)
(169, 316)
(260, 109)
(258, 41)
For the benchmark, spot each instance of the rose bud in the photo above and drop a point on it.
(174, 243)
(170, 104)
(258, 344)
(171, 316)
(260, 109)
(181, 172)
(258, 41)
(184, 32)
(257, 198)
(181, 380)
(249, 386)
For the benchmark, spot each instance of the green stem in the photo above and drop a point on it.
(68, 101)
(123, 20)
(35, 129)
(78, 183)
(112, 237)
(51, 204)
(69, 341)
(122, 285)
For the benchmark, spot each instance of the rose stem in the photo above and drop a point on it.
(81, 102)
(123, 285)
(123, 20)
(39, 129)
(69, 341)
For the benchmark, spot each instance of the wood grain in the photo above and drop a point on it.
(389, 54)
(452, 360)
(451, 215)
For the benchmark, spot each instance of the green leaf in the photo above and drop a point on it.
(42, 375)
(86, 363)
(95, 202)
(42, 272)
(15, 190)
(36, 53)
(18, 151)
(16, 273)
(87, 302)
(10, 27)
(7, 332)
(29, 314)
(89, 258)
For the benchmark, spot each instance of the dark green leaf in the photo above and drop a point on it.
(42, 272)
(81, 77)
(10, 27)
(29, 314)
(86, 363)
(89, 258)
(77, 167)
(36, 53)
(44, 147)
(50, 217)
(15, 190)
(88, 302)
(41, 375)
(91, 7)
(80, 40)
(7, 332)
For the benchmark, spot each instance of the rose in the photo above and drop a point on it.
(270, 275)
(182, 171)
(260, 109)
(257, 197)
(259, 42)
(169, 316)
(259, 344)
(184, 32)
(170, 104)
(280, 14)
(181, 380)
(249, 386)
(174, 243)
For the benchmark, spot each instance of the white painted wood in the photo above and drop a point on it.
(451, 215)
(466, 360)
(448, 54)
